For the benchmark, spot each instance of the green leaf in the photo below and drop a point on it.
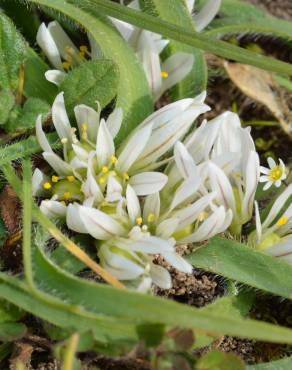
(284, 364)
(22, 119)
(175, 12)
(151, 334)
(7, 101)
(3, 233)
(217, 360)
(10, 331)
(194, 39)
(133, 91)
(25, 148)
(241, 263)
(9, 312)
(92, 81)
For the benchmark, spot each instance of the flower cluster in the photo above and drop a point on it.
(134, 211)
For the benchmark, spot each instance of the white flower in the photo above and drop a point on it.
(274, 235)
(273, 175)
(60, 51)
(206, 15)
(92, 168)
(148, 46)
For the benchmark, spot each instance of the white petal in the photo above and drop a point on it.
(41, 136)
(221, 185)
(90, 117)
(167, 227)
(60, 118)
(264, 170)
(55, 76)
(105, 147)
(160, 276)
(61, 167)
(267, 186)
(186, 190)
(281, 250)
(114, 121)
(125, 29)
(277, 206)
(113, 190)
(133, 204)
(178, 66)
(49, 47)
(90, 187)
(189, 214)
(271, 162)
(148, 182)
(206, 15)
(251, 177)
(73, 219)
(80, 152)
(152, 245)
(178, 262)
(53, 209)
(184, 161)
(264, 178)
(61, 39)
(133, 148)
(259, 229)
(151, 206)
(99, 224)
(190, 5)
(38, 179)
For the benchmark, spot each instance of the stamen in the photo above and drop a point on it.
(151, 217)
(126, 176)
(275, 174)
(202, 216)
(139, 221)
(66, 65)
(55, 179)
(71, 178)
(114, 159)
(101, 180)
(64, 140)
(164, 74)
(68, 49)
(47, 185)
(83, 49)
(105, 169)
(67, 195)
(282, 221)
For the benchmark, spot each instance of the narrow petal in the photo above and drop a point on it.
(38, 179)
(55, 76)
(152, 245)
(178, 262)
(178, 66)
(90, 117)
(53, 209)
(90, 187)
(184, 161)
(81, 153)
(264, 170)
(133, 204)
(114, 121)
(133, 149)
(186, 190)
(99, 224)
(60, 118)
(73, 219)
(151, 206)
(259, 229)
(61, 39)
(49, 47)
(271, 162)
(113, 190)
(206, 15)
(160, 276)
(190, 5)
(105, 147)
(61, 167)
(41, 136)
(167, 227)
(148, 182)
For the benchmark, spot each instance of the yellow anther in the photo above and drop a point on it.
(202, 216)
(64, 140)
(151, 217)
(71, 178)
(66, 65)
(105, 169)
(83, 48)
(139, 220)
(282, 221)
(114, 159)
(55, 179)
(68, 49)
(67, 195)
(275, 174)
(164, 74)
(126, 176)
(47, 185)
(101, 180)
